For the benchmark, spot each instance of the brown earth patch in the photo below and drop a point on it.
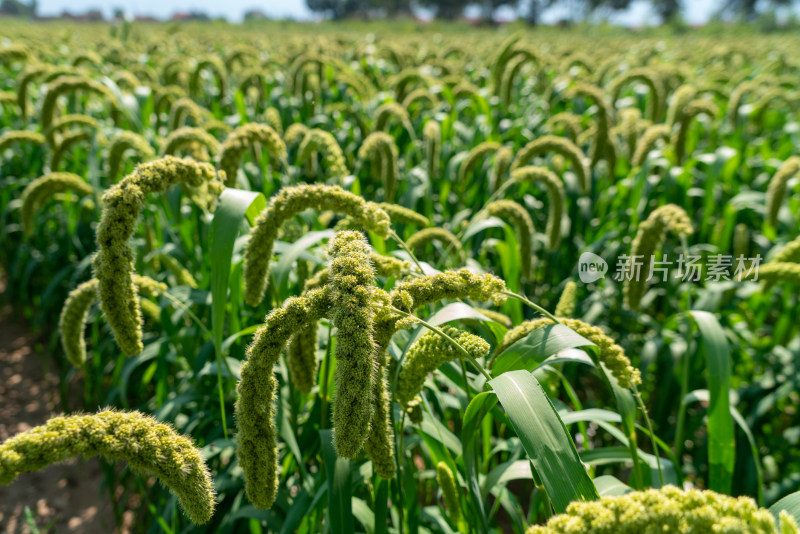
(66, 497)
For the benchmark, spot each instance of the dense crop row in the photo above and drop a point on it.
(353, 269)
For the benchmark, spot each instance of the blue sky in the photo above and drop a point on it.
(697, 11)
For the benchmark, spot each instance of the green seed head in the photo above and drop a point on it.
(432, 134)
(20, 136)
(325, 143)
(183, 109)
(447, 483)
(518, 216)
(301, 358)
(651, 234)
(143, 442)
(608, 353)
(555, 195)
(428, 235)
(352, 278)
(380, 442)
(76, 307)
(381, 150)
(652, 79)
(243, 138)
(113, 262)
(66, 142)
(568, 300)
(402, 215)
(648, 141)
(773, 273)
(68, 84)
(40, 190)
(286, 204)
(788, 254)
(668, 509)
(559, 145)
(255, 405)
(392, 110)
(123, 142)
(479, 151)
(196, 141)
(777, 187)
(67, 122)
(429, 353)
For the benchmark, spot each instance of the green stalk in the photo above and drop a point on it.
(400, 454)
(467, 389)
(679, 429)
(533, 305)
(323, 392)
(217, 354)
(650, 430)
(402, 244)
(685, 247)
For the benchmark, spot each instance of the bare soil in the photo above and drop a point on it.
(66, 497)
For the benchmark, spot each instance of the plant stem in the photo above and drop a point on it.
(640, 402)
(323, 423)
(189, 312)
(218, 355)
(400, 455)
(403, 245)
(678, 445)
(467, 389)
(533, 305)
(685, 247)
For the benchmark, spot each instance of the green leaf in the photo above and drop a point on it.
(340, 497)
(721, 442)
(364, 515)
(381, 507)
(589, 414)
(470, 439)
(790, 504)
(610, 486)
(452, 312)
(702, 395)
(506, 472)
(668, 467)
(434, 428)
(294, 251)
(533, 349)
(479, 226)
(545, 439)
(233, 206)
(241, 106)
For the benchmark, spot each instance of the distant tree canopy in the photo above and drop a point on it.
(340, 9)
(15, 8)
(748, 9)
(530, 10)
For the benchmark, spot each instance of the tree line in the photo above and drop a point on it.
(531, 10)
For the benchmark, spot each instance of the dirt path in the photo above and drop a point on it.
(67, 497)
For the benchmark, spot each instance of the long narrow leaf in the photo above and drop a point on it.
(533, 349)
(340, 496)
(721, 444)
(545, 439)
(476, 411)
(789, 504)
(234, 206)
